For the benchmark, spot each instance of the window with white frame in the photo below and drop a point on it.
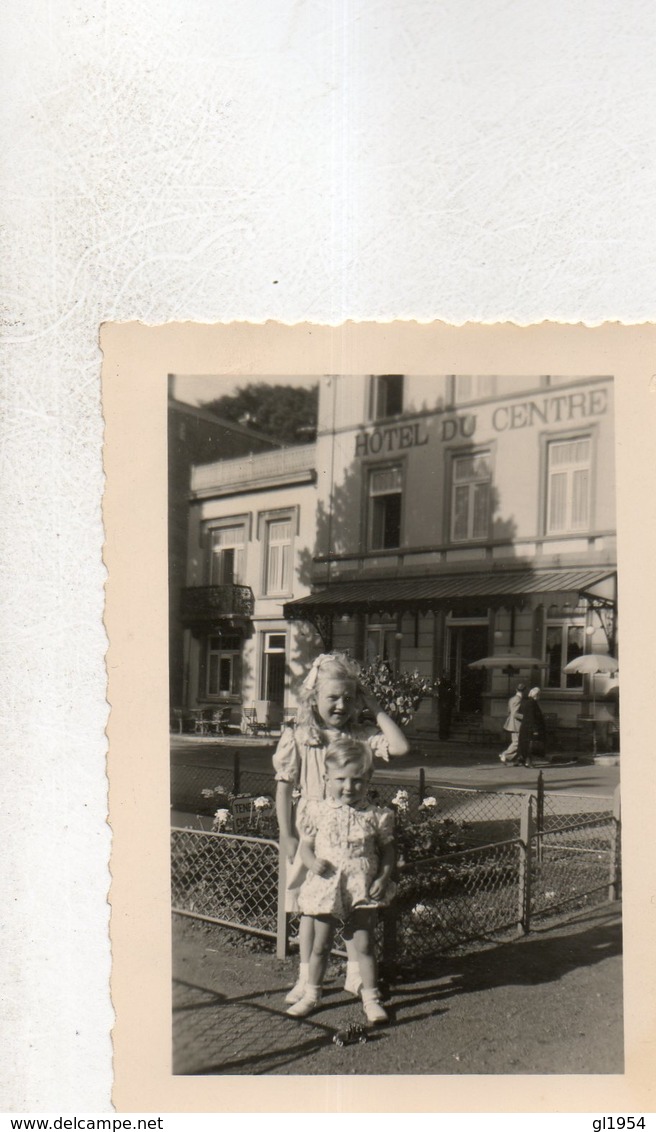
(274, 651)
(223, 666)
(386, 396)
(569, 477)
(470, 496)
(472, 388)
(385, 499)
(279, 546)
(564, 640)
(227, 555)
(381, 640)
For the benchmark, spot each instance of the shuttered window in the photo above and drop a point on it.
(470, 509)
(279, 556)
(472, 388)
(568, 485)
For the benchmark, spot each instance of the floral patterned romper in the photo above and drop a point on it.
(350, 838)
(300, 759)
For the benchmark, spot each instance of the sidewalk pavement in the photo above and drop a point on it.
(550, 1002)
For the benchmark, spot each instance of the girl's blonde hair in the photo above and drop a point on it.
(347, 750)
(329, 664)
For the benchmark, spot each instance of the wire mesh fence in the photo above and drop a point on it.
(520, 855)
(226, 878)
(485, 815)
(561, 809)
(573, 864)
(200, 789)
(233, 880)
(448, 900)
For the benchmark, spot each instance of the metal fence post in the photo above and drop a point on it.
(388, 959)
(615, 846)
(539, 815)
(236, 772)
(422, 784)
(282, 920)
(526, 833)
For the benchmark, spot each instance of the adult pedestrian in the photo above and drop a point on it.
(512, 723)
(445, 700)
(531, 729)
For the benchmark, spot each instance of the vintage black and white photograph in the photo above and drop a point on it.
(394, 716)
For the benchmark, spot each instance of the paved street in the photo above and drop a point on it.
(447, 764)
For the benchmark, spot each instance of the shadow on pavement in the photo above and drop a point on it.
(247, 1032)
(525, 962)
(216, 1035)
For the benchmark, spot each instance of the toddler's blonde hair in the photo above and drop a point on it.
(347, 750)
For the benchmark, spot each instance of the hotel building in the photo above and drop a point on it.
(436, 521)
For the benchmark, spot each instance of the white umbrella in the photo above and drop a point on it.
(509, 662)
(589, 664)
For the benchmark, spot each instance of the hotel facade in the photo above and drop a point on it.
(436, 521)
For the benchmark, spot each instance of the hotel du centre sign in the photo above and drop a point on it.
(559, 409)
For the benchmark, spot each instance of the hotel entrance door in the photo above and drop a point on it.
(466, 643)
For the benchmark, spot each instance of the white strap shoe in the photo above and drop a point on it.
(307, 1004)
(297, 991)
(373, 1008)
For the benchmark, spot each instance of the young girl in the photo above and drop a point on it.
(347, 847)
(331, 699)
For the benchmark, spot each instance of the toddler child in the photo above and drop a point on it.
(347, 847)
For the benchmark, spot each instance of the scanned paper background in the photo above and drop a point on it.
(368, 159)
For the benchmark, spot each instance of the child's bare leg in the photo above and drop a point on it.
(352, 982)
(305, 942)
(306, 938)
(324, 933)
(361, 933)
(360, 928)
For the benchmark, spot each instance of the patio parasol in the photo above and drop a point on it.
(590, 664)
(510, 663)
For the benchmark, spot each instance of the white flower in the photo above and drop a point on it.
(207, 793)
(429, 802)
(262, 803)
(419, 910)
(222, 817)
(401, 800)
(221, 789)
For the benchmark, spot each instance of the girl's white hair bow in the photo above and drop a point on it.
(311, 678)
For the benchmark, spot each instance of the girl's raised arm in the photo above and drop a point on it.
(396, 740)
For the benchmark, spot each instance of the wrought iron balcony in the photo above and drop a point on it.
(205, 605)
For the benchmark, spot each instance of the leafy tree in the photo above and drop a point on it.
(287, 413)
